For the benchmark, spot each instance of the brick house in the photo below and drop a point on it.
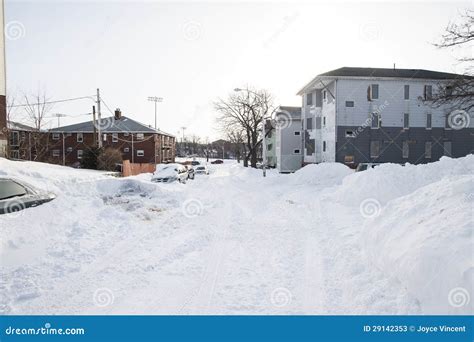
(65, 145)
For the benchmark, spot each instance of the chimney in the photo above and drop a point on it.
(118, 114)
(393, 66)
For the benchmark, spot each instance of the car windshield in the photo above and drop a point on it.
(9, 188)
(200, 168)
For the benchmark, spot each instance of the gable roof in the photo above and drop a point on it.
(295, 112)
(355, 72)
(109, 125)
(16, 126)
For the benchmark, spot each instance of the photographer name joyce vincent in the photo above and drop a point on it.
(418, 329)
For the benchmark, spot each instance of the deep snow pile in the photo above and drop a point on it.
(325, 240)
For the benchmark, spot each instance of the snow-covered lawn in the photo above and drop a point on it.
(325, 240)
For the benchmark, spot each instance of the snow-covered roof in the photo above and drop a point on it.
(110, 125)
(16, 126)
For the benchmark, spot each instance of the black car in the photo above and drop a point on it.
(195, 162)
(16, 195)
(217, 161)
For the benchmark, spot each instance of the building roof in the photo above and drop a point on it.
(16, 126)
(109, 125)
(352, 72)
(294, 112)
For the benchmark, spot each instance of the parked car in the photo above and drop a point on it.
(168, 173)
(190, 171)
(217, 161)
(16, 195)
(195, 162)
(202, 170)
(366, 166)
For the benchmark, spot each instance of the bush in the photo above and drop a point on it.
(108, 159)
(89, 158)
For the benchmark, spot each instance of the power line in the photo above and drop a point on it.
(50, 102)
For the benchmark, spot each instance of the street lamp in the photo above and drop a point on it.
(156, 100)
(264, 147)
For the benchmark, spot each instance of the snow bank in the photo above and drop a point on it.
(423, 239)
(326, 174)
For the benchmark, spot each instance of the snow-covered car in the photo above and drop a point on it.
(16, 195)
(191, 171)
(366, 166)
(168, 173)
(202, 170)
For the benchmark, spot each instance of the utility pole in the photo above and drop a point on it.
(156, 100)
(264, 151)
(182, 140)
(95, 129)
(64, 151)
(98, 118)
(60, 116)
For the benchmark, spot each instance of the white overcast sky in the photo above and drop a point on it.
(192, 52)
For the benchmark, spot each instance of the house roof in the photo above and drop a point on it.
(16, 126)
(109, 125)
(295, 112)
(352, 72)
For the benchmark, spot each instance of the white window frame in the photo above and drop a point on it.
(56, 153)
(140, 136)
(140, 153)
(372, 115)
(115, 137)
(372, 92)
(428, 148)
(126, 149)
(79, 137)
(407, 149)
(406, 125)
(350, 101)
(69, 149)
(55, 136)
(80, 153)
(351, 135)
(431, 121)
(17, 134)
(405, 92)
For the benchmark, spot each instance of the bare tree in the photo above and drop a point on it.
(236, 138)
(11, 100)
(245, 111)
(458, 93)
(37, 108)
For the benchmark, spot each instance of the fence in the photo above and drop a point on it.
(132, 169)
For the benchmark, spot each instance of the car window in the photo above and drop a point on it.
(9, 188)
(200, 168)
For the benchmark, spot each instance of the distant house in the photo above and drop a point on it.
(138, 143)
(21, 141)
(357, 115)
(270, 140)
(289, 139)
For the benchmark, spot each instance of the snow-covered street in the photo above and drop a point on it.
(325, 240)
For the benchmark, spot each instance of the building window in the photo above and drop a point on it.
(428, 92)
(14, 138)
(349, 159)
(324, 146)
(114, 137)
(125, 134)
(374, 149)
(80, 137)
(56, 153)
(309, 123)
(55, 136)
(140, 153)
(297, 133)
(350, 134)
(325, 95)
(349, 103)
(446, 122)
(375, 120)
(373, 92)
(79, 154)
(406, 121)
(309, 99)
(405, 149)
(126, 150)
(447, 148)
(15, 154)
(296, 151)
(104, 137)
(324, 121)
(428, 149)
(406, 94)
(140, 136)
(318, 122)
(269, 147)
(69, 149)
(428, 121)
